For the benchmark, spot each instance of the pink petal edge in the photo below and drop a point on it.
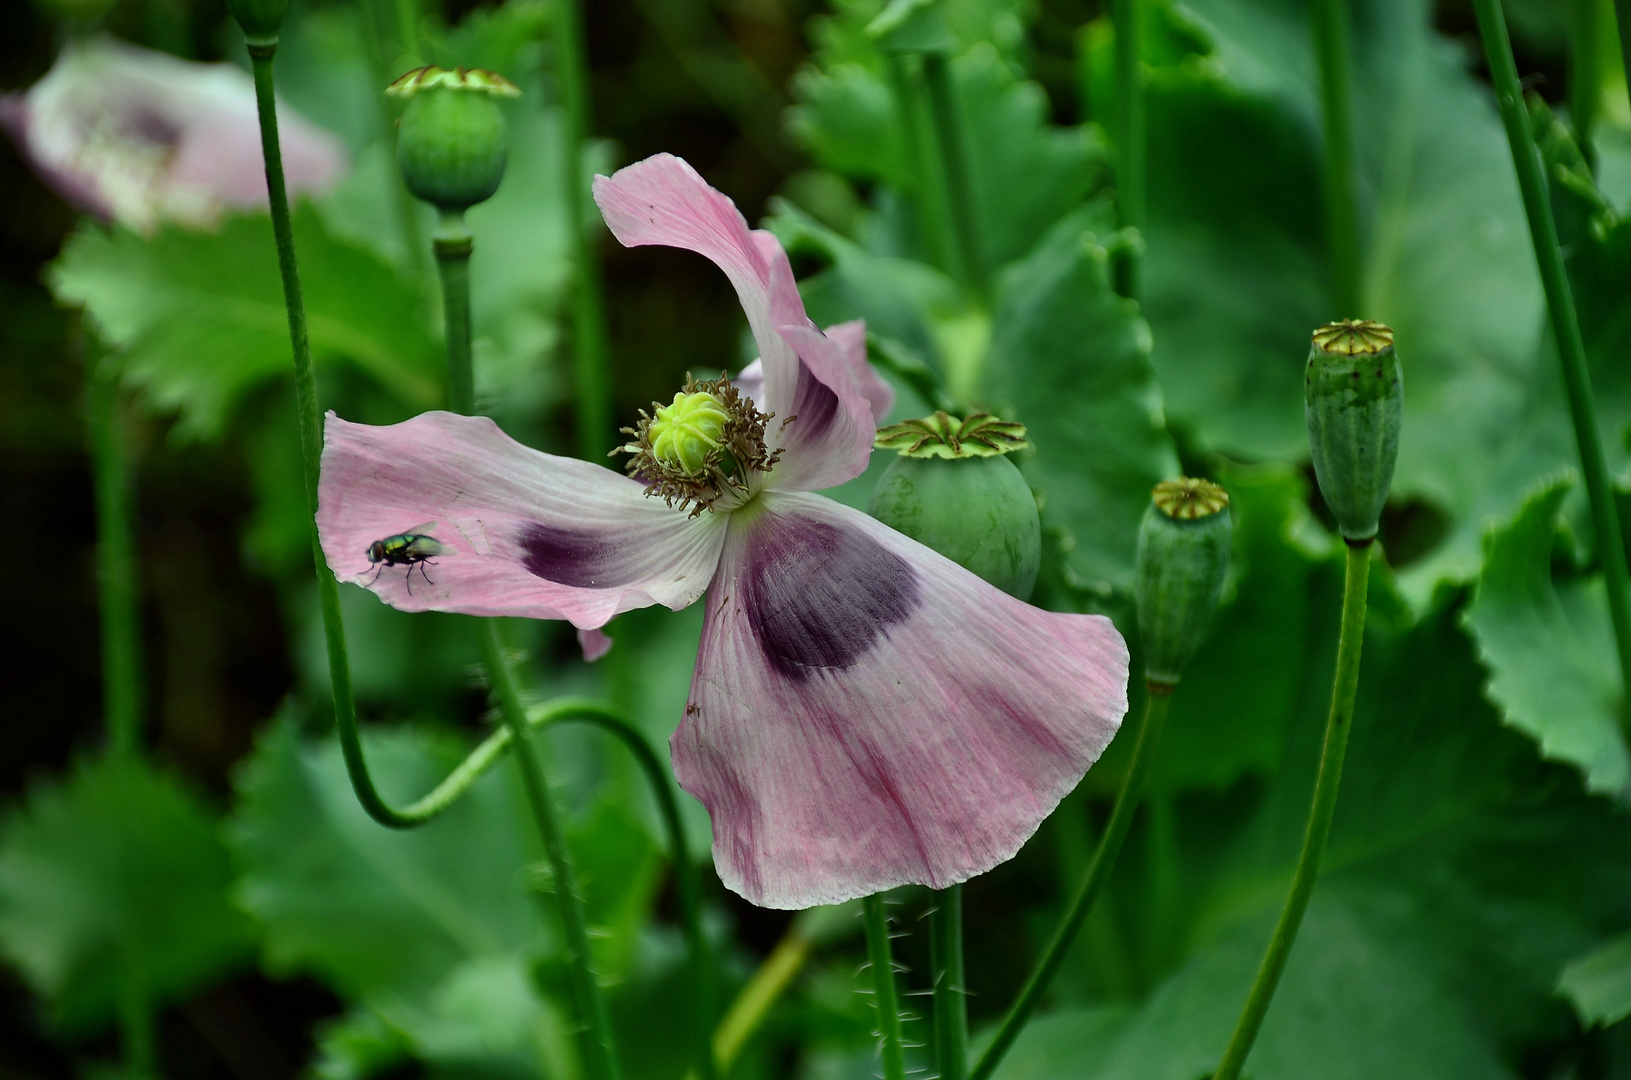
(866, 713)
(662, 200)
(524, 533)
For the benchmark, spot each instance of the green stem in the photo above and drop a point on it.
(117, 593)
(136, 1027)
(950, 984)
(1343, 688)
(932, 215)
(600, 1052)
(453, 245)
(1622, 17)
(1331, 48)
(311, 439)
(590, 355)
(1585, 72)
(883, 987)
(1156, 701)
(407, 29)
(763, 990)
(1129, 75)
(1571, 347)
(948, 130)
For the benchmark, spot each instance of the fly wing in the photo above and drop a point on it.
(423, 547)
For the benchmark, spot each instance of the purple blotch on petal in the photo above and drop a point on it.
(567, 557)
(819, 598)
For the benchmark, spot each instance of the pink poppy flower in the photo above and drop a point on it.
(864, 712)
(140, 137)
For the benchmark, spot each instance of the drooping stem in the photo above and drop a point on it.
(600, 1052)
(590, 352)
(952, 146)
(1571, 347)
(453, 245)
(1343, 688)
(1341, 216)
(1156, 701)
(884, 995)
(1129, 75)
(311, 439)
(950, 984)
(117, 593)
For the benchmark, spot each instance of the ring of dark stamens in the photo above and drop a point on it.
(741, 453)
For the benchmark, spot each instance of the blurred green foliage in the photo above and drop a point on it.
(1473, 915)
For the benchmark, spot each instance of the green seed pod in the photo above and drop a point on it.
(953, 490)
(1353, 396)
(451, 144)
(1183, 554)
(261, 19)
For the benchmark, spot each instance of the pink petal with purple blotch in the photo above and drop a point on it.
(809, 378)
(523, 532)
(141, 137)
(865, 713)
(851, 340)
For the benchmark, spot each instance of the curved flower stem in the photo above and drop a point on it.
(589, 345)
(311, 442)
(949, 140)
(950, 984)
(117, 593)
(600, 1050)
(1342, 226)
(1156, 701)
(1343, 688)
(1129, 73)
(885, 996)
(1571, 347)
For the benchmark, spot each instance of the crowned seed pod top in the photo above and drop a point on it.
(1183, 554)
(953, 490)
(1353, 395)
(261, 19)
(451, 144)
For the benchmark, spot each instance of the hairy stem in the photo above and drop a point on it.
(1343, 688)
(1341, 217)
(1571, 347)
(885, 997)
(117, 592)
(600, 1052)
(1156, 701)
(1129, 75)
(590, 352)
(950, 984)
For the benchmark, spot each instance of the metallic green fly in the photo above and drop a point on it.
(411, 548)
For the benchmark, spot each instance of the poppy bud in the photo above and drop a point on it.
(1183, 554)
(952, 490)
(451, 144)
(261, 19)
(1353, 395)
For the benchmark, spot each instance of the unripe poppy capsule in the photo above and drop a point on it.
(261, 19)
(1183, 555)
(953, 490)
(1353, 394)
(451, 142)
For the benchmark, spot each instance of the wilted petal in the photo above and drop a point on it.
(522, 532)
(807, 375)
(865, 713)
(141, 137)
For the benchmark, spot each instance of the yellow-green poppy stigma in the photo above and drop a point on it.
(684, 433)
